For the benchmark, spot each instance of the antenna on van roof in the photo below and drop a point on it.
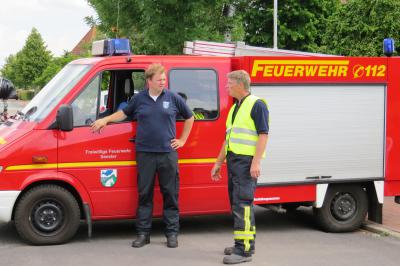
(116, 33)
(116, 29)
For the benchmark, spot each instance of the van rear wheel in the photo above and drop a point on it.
(46, 215)
(345, 208)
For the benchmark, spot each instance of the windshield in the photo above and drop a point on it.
(44, 102)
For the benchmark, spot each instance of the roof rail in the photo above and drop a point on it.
(237, 49)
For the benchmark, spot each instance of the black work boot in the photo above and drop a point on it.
(229, 251)
(141, 240)
(172, 241)
(235, 259)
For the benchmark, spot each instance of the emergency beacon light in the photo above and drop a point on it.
(388, 46)
(111, 47)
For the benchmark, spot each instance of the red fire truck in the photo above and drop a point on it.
(333, 144)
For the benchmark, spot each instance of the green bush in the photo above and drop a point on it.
(25, 95)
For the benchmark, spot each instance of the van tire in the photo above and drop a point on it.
(47, 215)
(345, 208)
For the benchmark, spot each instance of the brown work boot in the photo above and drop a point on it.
(141, 240)
(229, 251)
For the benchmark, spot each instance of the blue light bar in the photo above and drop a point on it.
(120, 46)
(111, 47)
(388, 46)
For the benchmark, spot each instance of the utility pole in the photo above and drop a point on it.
(229, 11)
(276, 24)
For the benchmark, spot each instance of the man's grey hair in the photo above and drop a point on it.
(240, 76)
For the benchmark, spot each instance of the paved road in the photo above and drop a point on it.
(13, 106)
(282, 239)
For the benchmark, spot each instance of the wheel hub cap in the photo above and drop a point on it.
(343, 206)
(47, 216)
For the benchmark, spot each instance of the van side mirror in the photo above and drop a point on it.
(65, 118)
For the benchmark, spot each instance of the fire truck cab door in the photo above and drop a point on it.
(103, 162)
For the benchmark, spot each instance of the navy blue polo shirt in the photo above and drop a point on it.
(156, 120)
(260, 115)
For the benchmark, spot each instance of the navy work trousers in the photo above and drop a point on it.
(165, 165)
(241, 188)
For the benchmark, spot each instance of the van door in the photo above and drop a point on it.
(103, 162)
(200, 86)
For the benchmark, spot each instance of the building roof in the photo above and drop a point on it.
(81, 47)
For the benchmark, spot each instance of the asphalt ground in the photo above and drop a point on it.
(282, 239)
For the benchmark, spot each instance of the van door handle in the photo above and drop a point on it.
(132, 139)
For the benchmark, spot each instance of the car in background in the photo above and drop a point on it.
(7, 89)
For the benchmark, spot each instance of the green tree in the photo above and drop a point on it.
(359, 27)
(8, 70)
(54, 66)
(300, 23)
(31, 60)
(161, 27)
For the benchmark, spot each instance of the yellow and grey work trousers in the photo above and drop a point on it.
(241, 187)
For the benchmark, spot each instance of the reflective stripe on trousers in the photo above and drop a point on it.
(246, 235)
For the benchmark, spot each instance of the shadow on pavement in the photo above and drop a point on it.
(266, 221)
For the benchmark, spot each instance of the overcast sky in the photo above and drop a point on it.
(60, 22)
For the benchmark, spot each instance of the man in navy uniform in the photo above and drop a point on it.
(155, 110)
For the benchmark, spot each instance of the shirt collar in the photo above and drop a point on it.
(241, 101)
(162, 92)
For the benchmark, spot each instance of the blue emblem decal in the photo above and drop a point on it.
(108, 177)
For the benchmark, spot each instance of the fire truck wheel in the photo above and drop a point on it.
(345, 208)
(47, 214)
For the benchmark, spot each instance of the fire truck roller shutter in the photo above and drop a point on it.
(324, 132)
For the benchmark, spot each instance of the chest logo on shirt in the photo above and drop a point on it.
(165, 105)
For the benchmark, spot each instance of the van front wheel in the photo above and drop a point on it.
(345, 208)
(46, 215)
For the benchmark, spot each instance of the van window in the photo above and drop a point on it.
(118, 87)
(115, 89)
(84, 107)
(199, 87)
(55, 90)
(105, 86)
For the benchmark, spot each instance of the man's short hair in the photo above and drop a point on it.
(153, 69)
(240, 76)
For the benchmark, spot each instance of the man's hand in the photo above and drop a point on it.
(177, 143)
(98, 125)
(216, 172)
(255, 169)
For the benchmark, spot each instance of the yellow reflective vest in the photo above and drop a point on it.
(241, 136)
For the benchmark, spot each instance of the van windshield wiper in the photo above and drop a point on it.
(19, 115)
(30, 112)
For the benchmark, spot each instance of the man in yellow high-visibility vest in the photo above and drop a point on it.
(246, 138)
